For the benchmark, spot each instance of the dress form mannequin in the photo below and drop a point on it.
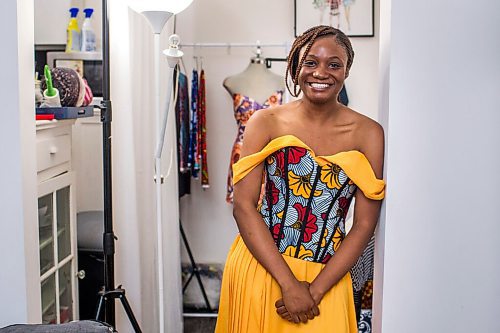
(256, 81)
(253, 89)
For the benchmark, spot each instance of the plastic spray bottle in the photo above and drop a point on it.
(88, 34)
(73, 32)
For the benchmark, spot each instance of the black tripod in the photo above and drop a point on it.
(109, 293)
(195, 271)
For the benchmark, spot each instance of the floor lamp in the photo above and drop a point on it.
(158, 12)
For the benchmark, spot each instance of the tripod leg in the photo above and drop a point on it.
(99, 307)
(130, 314)
(198, 277)
(187, 283)
(195, 268)
(110, 296)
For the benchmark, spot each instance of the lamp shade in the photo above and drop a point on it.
(171, 6)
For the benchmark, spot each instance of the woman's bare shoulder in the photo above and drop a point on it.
(264, 125)
(369, 135)
(258, 130)
(264, 117)
(365, 126)
(273, 116)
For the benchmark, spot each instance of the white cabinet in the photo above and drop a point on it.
(57, 223)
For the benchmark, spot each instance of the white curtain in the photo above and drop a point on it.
(133, 142)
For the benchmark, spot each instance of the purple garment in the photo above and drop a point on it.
(193, 160)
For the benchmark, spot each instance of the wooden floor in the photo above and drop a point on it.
(207, 324)
(199, 325)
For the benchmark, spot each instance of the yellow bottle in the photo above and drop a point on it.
(73, 32)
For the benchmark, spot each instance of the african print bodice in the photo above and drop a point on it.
(307, 197)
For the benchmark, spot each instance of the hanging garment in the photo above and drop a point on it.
(182, 122)
(343, 96)
(305, 205)
(361, 273)
(244, 107)
(202, 132)
(193, 159)
(182, 119)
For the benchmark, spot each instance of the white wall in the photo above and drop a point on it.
(51, 20)
(134, 124)
(442, 236)
(52, 17)
(384, 30)
(207, 218)
(86, 159)
(19, 258)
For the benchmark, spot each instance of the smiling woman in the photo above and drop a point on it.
(301, 55)
(288, 270)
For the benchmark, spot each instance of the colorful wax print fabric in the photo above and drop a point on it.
(244, 108)
(193, 156)
(182, 119)
(202, 132)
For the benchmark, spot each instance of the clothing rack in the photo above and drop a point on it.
(269, 61)
(257, 44)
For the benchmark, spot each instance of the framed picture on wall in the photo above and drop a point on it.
(354, 17)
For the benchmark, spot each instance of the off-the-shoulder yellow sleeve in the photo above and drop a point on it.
(354, 163)
(358, 169)
(249, 162)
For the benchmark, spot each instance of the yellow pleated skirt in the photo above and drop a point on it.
(249, 292)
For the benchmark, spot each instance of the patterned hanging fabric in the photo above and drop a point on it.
(182, 122)
(193, 159)
(202, 132)
(182, 119)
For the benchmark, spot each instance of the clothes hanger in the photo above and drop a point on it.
(257, 59)
(258, 52)
(182, 65)
(198, 57)
(195, 65)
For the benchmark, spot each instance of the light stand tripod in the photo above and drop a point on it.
(108, 295)
(195, 271)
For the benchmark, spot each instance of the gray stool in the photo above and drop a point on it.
(84, 326)
(90, 227)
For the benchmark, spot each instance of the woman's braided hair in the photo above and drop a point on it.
(307, 39)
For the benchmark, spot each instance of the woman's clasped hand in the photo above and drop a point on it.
(297, 304)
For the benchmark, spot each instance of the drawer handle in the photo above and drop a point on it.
(53, 150)
(81, 274)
